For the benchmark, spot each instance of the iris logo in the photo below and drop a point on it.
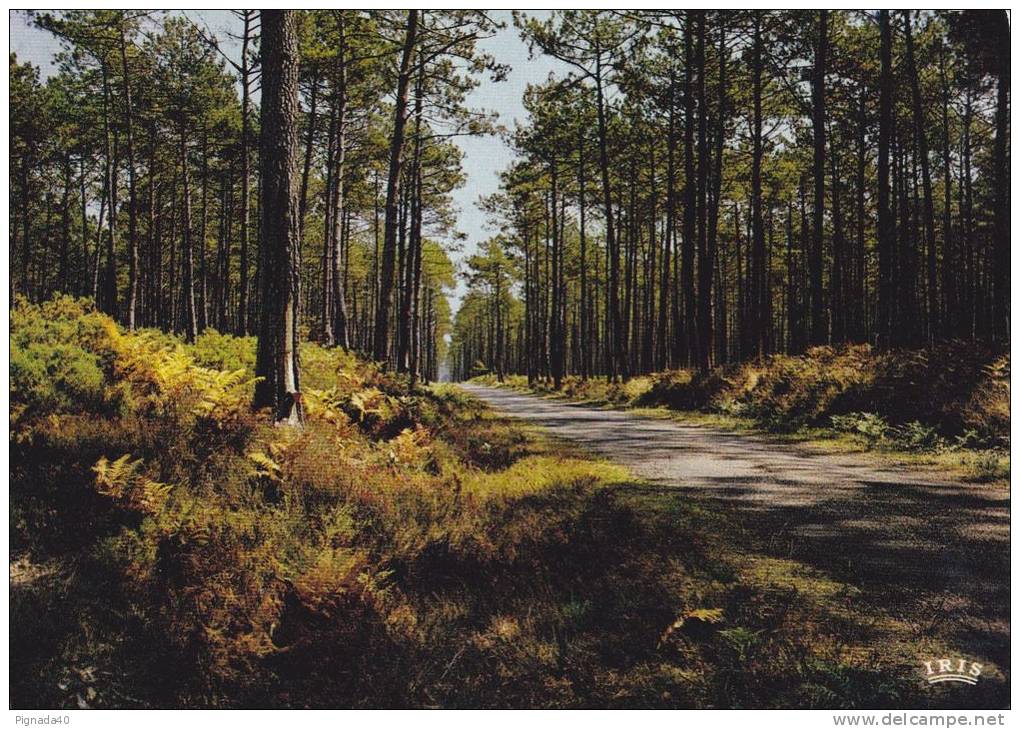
(952, 669)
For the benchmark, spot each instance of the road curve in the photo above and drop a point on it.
(912, 541)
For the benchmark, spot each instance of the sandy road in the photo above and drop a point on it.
(926, 548)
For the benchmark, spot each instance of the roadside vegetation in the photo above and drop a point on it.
(945, 406)
(170, 548)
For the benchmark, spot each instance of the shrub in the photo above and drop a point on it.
(223, 352)
(61, 358)
(990, 465)
(869, 425)
(915, 436)
(952, 389)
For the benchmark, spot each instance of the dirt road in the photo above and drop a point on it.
(925, 548)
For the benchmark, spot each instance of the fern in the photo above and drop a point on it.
(265, 467)
(122, 481)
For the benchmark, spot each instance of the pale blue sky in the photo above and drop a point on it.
(484, 157)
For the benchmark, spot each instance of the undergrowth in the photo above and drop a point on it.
(173, 549)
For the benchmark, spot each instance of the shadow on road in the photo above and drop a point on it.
(930, 553)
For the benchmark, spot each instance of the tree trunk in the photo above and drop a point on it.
(663, 352)
(921, 139)
(381, 344)
(416, 270)
(861, 299)
(617, 364)
(758, 293)
(406, 319)
(309, 148)
(886, 222)
(837, 278)
(690, 197)
(1000, 159)
(648, 355)
(819, 327)
(132, 295)
(792, 321)
(715, 191)
(967, 220)
(705, 263)
(223, 251)
(243, 326)
(341, 336)
(277, 357)
(583, 343)
(187, 245)
(171, 308)
(951, 320)
(556, 343)
(65, 230)
(109, 290)
(83, 192)
(203, 273)
(328, 246)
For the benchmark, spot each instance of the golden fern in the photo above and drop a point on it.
(121, 481)
(265, 467)
(221, 390)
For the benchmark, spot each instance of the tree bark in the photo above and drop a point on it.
(381, 344)
(1000, 158)
(132, 295)
(886, 222)
(921, 139)
(277, 357)
(187, 244)
(243, 325)
(690, 197)
(758, 293)
(341, 335)
(819, 333)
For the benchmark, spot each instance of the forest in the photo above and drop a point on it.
(136, 171)
(698, 188)
(767, 249)
(711, 187)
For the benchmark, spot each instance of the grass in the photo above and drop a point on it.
(972, 465)
(172, 549)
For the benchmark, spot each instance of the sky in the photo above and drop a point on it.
(484, 157)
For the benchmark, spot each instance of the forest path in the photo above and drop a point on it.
(928, 550)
